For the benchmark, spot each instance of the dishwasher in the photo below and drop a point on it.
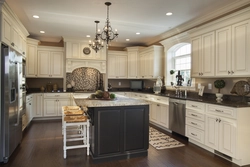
(177, 114)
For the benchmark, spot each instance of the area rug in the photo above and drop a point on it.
(162, 141)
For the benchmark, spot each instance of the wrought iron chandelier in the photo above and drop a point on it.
(97, 44)
(108, 34)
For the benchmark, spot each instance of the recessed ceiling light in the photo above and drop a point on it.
(36, 16)
(127, 39)
(138, 33)
(88, 36)
(42, 32)
(169, 14)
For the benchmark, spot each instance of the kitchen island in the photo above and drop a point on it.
(119, 128)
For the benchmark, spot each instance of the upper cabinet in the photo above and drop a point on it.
(203, 51)
(232, 50)
(44, 61)
(117, 64)
(12, 31)
(151, 62)
(50, 62)
(133, 62)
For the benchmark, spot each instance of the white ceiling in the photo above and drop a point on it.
(75, 18)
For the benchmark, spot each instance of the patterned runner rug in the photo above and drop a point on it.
(162, 141)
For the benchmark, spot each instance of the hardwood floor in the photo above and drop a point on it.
(42, 146)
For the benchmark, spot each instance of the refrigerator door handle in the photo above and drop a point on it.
(18, 118)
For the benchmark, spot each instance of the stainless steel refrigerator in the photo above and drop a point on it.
(11, 114)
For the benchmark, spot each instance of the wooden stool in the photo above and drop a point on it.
(75, 128)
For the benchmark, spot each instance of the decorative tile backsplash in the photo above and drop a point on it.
(85, 78)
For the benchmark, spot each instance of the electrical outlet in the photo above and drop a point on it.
(119, 83)
(209, 86)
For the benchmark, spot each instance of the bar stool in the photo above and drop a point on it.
(72, 134)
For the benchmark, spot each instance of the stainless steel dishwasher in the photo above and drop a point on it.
(177, 114)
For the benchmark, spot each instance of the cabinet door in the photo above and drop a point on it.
(112, 66)
(227, 137)
(149, 61)
(6, 30)
(16, 38)
(212, 132)
(122, 66)
(38, 108)
(132, 64)
(31, 61)
(153, 112)
(50, 107)
(29, 111)
(43, 63)
(62, 102)
(142, 71)
(240, 48)
(196, 56)
(223, 51)
(208, 52)
(56, 64)
(164, 115)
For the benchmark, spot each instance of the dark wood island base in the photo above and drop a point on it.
(119, 132)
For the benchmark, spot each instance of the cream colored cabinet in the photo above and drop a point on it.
(50, 62)
(53, 103)
(38, 105)
(151, 62)
(29, 108)
(117, 64)
(232, 50)
(133, 65)
(221, 129)
(31, 58)
(195, 121)
(12, 35)
(203, 55)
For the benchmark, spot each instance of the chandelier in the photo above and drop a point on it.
(108, 34)
(96, 44)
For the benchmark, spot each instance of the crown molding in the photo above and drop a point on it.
(214, 15)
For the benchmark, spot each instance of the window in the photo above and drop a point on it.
(182, 61)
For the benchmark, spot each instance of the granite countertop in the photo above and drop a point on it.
(118, 101)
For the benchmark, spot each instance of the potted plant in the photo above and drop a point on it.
(219, 84)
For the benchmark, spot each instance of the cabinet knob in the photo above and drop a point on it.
(12, 43)
(158, 105)
(228, 72)
(193, 134)
(232, 72)
(23, 53)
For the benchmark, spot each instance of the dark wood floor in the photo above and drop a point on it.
(42, 146)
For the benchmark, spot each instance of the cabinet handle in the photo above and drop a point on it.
(29, 103)
(232, 72)
(12, 43)
(193, 134)
(201, 73)
(219, 120)
(194, 106)
(158, 99)
(23, 53)
(228, 72)
(194, 115)
(158, 105)
(219, 110)
(193, 123)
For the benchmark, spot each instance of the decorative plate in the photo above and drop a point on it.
(86, 50)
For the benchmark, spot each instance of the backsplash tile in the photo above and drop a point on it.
(85, 78)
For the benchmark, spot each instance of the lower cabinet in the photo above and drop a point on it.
(37, 105)
(29, 108)
(160, 114)
(53, 107)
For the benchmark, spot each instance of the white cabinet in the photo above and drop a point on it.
(133, 62)
(31, 58)
(38, 105)
(12, 35)
(221, 129)
(151, 62)
(53, 103)
(203, 55)
(29, 108)
(232, 50)
(50, 62)
(195, 121)
(117, 64)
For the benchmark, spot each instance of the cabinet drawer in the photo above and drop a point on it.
(159, 99)
(195, 134)
(195, 115)
(195, 123)
(56, 95)
(144, 96)
(222, 111)
(195, 105)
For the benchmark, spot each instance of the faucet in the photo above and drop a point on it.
(177, 91)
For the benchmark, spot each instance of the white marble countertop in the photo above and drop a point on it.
(119, 101)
